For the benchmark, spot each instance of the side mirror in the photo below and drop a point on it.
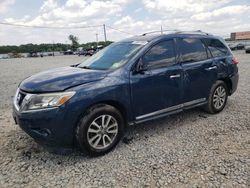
(140, 66)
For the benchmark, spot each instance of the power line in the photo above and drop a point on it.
(48, 27)
(121, 31)
(55, 27)
(74, 27)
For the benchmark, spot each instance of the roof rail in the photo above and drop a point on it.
(175, 31)
(194, 32)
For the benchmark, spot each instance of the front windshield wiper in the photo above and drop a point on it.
(85, 67)
(75, 65)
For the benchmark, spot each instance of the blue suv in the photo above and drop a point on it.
(129, 82)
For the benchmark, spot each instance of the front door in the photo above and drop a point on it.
(157, 90)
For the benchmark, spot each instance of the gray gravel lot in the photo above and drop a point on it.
(190, 149)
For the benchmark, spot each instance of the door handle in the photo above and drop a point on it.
(211, 68)
(175, 76)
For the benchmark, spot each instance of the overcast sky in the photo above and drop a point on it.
(216, 16)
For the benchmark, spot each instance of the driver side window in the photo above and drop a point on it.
(160, 55)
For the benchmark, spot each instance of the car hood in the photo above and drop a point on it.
(60, 79)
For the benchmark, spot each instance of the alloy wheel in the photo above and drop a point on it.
(219, 97)
(102, 132)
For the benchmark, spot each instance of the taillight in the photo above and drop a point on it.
(235, 61)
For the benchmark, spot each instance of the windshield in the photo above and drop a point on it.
(113, 56)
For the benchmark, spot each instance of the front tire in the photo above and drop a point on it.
(100, 130)
(217, 98)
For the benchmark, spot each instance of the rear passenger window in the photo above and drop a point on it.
(160, 55)
(192, 50)
(217, 48)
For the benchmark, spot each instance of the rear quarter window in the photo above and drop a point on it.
(217, 48)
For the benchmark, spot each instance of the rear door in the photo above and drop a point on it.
(199, 70)
(221, 55)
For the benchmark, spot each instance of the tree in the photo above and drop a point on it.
(27, 48)
(74, 41)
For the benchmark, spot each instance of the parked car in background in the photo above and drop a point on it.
(68, 52)
(90, 52)
(51, 54)
(231, 46)
(15, 55)
(33, 54)
(129, 82)
(237, 46)
(240, 46)
(82, 52)
(247, 49)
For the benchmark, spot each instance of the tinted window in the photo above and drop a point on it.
(160, 55)
(192, 50)
(217, 48)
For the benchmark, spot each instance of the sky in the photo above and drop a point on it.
(134, 17)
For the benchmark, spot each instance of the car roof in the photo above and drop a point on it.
(150, 37)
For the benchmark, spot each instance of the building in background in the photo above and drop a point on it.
(240, 35)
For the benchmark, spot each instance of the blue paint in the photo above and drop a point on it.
(137, 94)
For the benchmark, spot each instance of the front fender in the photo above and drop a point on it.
(100, 92)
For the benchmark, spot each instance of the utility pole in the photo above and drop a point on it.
(53, 54)
(104, 31)
(96, 41)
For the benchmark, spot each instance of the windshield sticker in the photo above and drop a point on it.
(140, 42)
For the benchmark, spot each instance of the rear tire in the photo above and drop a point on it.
(100, 130)
(217, 98)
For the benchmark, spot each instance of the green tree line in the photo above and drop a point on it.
(27, 48)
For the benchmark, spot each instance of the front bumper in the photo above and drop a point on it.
(50, 127)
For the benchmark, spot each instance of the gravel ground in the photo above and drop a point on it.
(190, 149)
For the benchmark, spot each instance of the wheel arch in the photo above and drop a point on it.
(228, 83)
(121, 108)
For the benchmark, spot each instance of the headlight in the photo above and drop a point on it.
(41, 101)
